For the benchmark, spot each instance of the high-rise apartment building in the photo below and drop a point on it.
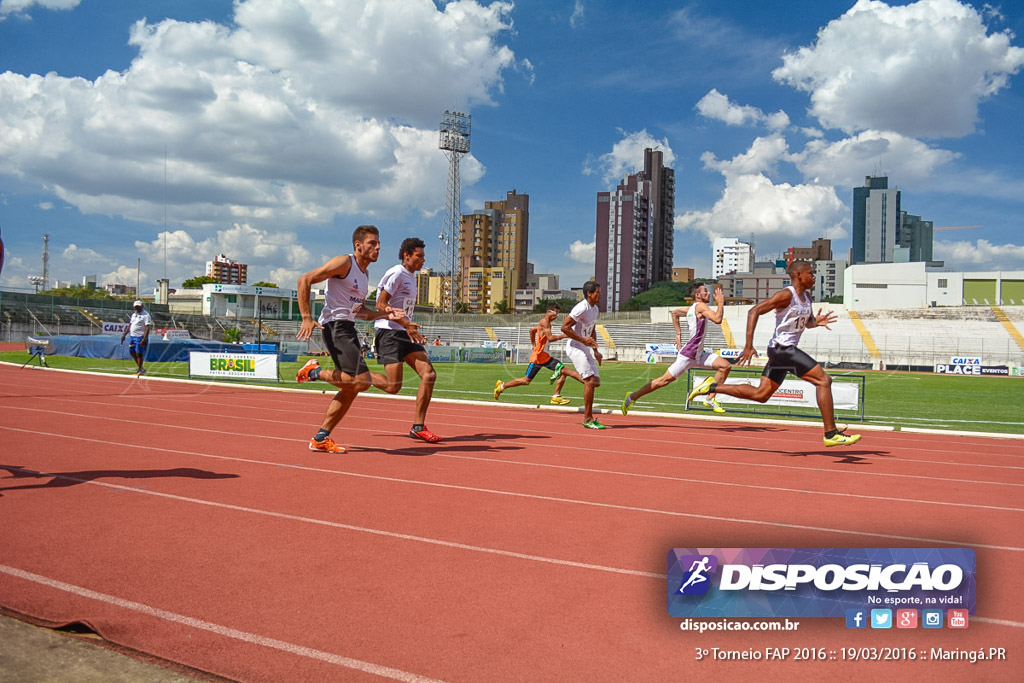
(227, 271)
(496, 238)
(663, 214)
(916, 237)
(876, 216)
(634, 243)
(730, 255)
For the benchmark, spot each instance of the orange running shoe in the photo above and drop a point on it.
(303, 375)
(424, 434)
(325, 446)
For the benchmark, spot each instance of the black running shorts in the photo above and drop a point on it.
(394, 345)
(533, 368)
(784, 359)
(342, 342)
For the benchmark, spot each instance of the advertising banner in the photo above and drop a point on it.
(478, 355)
(443, 354)
(965, 369)
(797, 392)
(819, 582)
(233, 365)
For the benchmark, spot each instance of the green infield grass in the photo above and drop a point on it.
(900, 399)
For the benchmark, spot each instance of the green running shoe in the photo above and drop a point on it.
(557, 373)
(627, 402)
(594, 424)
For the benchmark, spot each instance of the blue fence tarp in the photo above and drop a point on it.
(109, 346)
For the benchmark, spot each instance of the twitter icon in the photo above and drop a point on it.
(881, 618)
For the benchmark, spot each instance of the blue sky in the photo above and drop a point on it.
(285, 125)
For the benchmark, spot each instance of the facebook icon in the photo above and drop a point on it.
(856, 618)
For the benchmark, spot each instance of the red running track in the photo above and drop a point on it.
(191, 522)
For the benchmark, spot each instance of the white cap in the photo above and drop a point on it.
(137, 303)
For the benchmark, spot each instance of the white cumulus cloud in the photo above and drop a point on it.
(846, 162)
(719, 107)
(294, 113)
(979, 255)
(627, 156)
(22, 7)
(582, 252)
(919, 69)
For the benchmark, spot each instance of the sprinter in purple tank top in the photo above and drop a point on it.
(793, 314)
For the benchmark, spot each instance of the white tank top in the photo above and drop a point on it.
(400, 284)
(345, 294)
(791, 321)
(697, 327)
(585, 316)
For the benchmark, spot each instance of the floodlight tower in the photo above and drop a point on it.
(454, 142)
(46, 260)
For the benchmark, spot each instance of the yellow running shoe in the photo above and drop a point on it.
(840, 439)
(715, 405)
(497, 389)
(701, 389)
(557, 400)
(627, 402)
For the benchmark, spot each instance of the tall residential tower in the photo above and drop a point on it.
(634, 242)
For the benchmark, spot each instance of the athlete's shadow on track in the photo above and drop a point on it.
(65, 479)
(846, 457)
(470, 443)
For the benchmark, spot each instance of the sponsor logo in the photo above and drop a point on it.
(696, 580)
(821, 581)
(796, 394)
(965, 360)
(232, 365)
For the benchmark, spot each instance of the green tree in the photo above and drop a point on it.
(232, 335)
(833, 299)
(502, 307)
(462, 307)
(264, 283)
(79, 292)
(661, 294)
(198, 281)
(564, 305)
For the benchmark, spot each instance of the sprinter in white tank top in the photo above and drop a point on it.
(396, 346)
(793, 314)
(346, 293)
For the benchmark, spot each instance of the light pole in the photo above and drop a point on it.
(454, 142)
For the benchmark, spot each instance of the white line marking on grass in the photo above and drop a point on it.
(227, 632)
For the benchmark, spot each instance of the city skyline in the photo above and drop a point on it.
(273, 159)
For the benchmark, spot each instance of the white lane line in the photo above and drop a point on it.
(362, 529)
(353, 429)
(244, 636)
(475, 489)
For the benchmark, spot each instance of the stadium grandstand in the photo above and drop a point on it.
(905, 338)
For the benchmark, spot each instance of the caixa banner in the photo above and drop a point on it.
(816, 582)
